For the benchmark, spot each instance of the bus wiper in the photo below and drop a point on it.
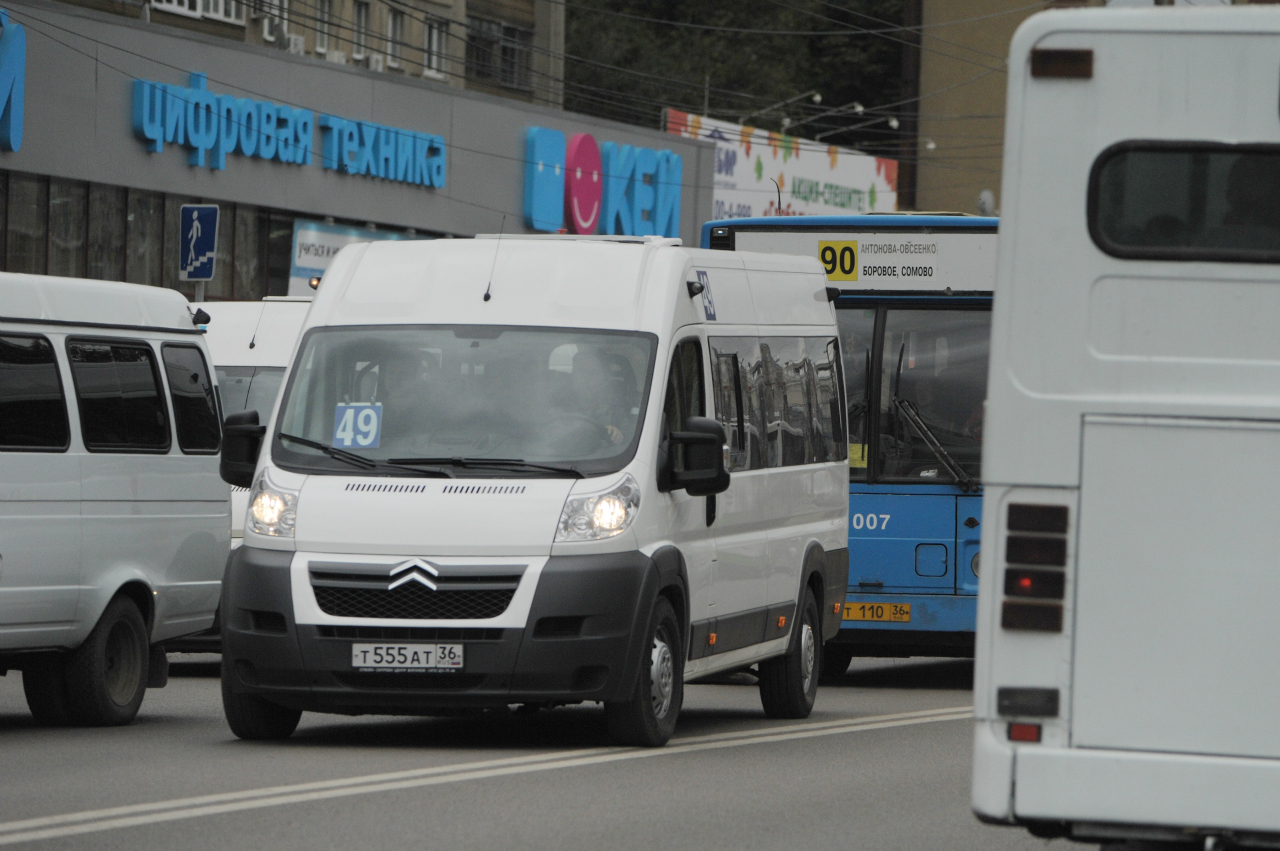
(911, 415)
(359, 460)
(496, 463)
(332, 451)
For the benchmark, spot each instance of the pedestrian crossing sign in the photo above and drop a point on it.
(197, 241)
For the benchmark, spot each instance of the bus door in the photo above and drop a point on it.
(916, 371)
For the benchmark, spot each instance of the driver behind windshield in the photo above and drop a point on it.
(596, 397)
(403, 390)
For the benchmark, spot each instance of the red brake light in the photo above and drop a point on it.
(1024, 732)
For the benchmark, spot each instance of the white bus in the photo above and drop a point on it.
(1126, 687)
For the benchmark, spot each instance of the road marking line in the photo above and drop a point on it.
(94, 821)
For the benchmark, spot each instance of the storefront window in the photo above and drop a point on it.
(279, 252)
(144, 251)
(247, 280)
(68, 227)
(108, 214)
(28, 224)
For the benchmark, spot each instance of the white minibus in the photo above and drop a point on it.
(1125, 686)
(114, 522)
(515, 471)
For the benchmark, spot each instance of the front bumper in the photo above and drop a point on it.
(580, 642)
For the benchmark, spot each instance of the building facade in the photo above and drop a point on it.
(124, 120)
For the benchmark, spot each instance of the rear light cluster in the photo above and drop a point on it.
(1035, 573)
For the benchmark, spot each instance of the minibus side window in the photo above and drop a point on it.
(118, 393)
(195, 410)
(33, 409)
(684, 397)
(735, 373)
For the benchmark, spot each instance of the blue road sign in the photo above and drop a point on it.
(197, 241)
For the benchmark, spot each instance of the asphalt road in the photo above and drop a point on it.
(883, 763)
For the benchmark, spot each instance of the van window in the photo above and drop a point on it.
(936, 360)
(857, 329)
(1187, 201)
(250, 388)
(33, 410)
(684, 397)
(118, 393)
(735, 369)
(195, 409)
(483, 394)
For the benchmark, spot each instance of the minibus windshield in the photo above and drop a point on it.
(456, 397)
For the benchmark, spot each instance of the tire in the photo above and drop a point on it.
(106, 676)
(45, 686)
(835, 662)
(789, 683)
(253, 718)
(649, 718)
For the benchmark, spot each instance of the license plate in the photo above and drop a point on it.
(406, 657)
(888, 612)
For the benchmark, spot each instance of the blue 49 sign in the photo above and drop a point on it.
(197, 241)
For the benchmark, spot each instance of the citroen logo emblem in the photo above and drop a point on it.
(414, 570)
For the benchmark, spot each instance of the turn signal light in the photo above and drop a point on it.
(711, 639)
(782, 621)
(1024, 733)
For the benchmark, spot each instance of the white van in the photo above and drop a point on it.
(1125, 686)
(539, 471)
(251, 343)
(114, 523)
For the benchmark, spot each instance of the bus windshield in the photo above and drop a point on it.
(934, 361)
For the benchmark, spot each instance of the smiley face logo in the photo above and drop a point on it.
(583, 185)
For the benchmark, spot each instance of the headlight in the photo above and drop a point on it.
(600, 515)
(273, 510)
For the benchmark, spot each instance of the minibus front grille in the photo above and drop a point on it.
(412, 633)
(412, 602)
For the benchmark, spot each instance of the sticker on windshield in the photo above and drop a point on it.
(357, 426)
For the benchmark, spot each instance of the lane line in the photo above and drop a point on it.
(94, 821)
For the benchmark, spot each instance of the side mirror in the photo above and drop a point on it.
(241, 443)
(706, 469)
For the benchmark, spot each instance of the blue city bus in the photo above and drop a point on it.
(914, 312)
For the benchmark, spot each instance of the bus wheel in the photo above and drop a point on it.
(106, 676)
(253, 718)
(789, 683)
(649, 718)
(45, 685)
(835, 662)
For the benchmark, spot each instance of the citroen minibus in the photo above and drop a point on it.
(114, 522)
(511, 471)
(1125, 687)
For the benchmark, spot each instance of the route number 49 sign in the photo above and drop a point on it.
(358, 426)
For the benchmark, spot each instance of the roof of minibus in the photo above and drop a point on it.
(81, 301)
(1203, 19)
(622, 284)
(254, 333)
(878, 221)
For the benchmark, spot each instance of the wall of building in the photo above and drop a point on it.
(81, 151)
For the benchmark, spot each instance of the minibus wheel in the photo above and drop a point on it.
(253, 718)
(789, 683)
(649, 718)
(106, 676)
(44, 683)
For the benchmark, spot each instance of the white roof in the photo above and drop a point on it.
(81, 301)
(549, 282)
(271, 325)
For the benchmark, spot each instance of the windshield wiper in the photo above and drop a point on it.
(496, 463)
(358, 460)
(332, 451)
(911, 415)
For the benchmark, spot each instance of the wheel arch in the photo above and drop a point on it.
(673, 583)
(143, 597)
